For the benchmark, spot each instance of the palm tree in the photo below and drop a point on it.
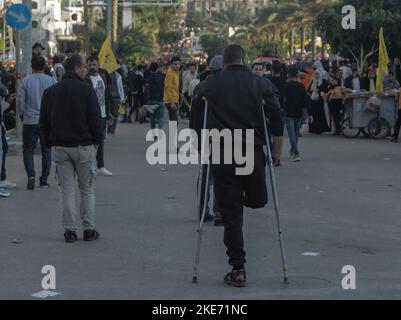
(277, 20)
(296, 20)
(135, 44)
(235, 15)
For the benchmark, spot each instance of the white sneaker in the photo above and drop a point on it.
(4, 193)
(7, 184)
(104, 172)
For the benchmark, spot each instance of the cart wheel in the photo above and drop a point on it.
(347, 131)
(365, 133)
(379, 128)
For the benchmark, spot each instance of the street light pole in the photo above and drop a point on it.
(18, 79)
(87, 47)
(27, 44)
(109, 16)
(114, 21)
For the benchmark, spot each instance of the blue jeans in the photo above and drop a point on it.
(157, 117)
(30, 136)
(3, 153)
(293, 126)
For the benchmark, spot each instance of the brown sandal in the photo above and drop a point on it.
(236, 278)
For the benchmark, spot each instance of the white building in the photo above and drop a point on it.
(50, 22)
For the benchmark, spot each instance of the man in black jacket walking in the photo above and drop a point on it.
(154, 90)
(235, 99)
(295, 103)
(71, 123)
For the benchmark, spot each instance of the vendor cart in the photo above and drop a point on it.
(357, 118)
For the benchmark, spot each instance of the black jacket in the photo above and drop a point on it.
(135, 84)
(235, 98)
(70, 114)
(154, 87)
(296, 100)
(280, 84)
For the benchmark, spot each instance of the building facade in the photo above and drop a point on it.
(207, 7)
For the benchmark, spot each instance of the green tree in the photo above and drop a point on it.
(135, 45)
(235, 15)
(96, 39)
(213, 43)
(195, 21)
(159, 23)
(362, 42)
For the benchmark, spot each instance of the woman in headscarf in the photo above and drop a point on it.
(317, 88)
(318, 65)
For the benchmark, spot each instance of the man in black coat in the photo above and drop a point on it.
(235, 100)
(71, 123)
(136, 81)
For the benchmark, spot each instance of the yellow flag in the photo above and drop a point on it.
(383, 63)
(107, 58)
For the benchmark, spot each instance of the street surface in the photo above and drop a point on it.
(342, 201)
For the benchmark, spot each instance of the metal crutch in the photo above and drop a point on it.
(275, 199)
(200, 229)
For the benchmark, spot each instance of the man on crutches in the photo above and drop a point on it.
(235, 102)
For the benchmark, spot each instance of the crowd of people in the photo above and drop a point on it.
(71, 106)
(148, 92)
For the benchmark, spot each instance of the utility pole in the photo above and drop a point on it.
(18, 125)
(27, 44)
(86, 28)
(109, 24)
(114, 22)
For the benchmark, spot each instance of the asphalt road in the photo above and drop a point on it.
(342, 201)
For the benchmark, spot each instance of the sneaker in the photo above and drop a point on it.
(395, 140)
(292, 155)
(7, 184)
(31, 183)
(218, 220)
(91, 235)
(4, 193)
(236, 278)
(296, 158)
(104, 172)
(44, 185)
(70, 236)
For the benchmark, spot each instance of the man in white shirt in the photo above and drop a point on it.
(117, 97)
(187, 77)
(101, 89)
